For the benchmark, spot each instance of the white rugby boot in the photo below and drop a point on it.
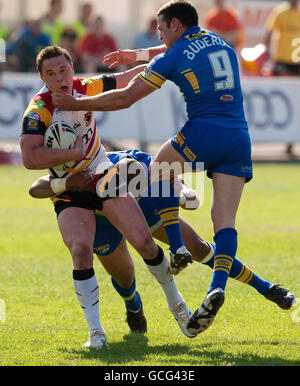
(97, 340)
(182, 315)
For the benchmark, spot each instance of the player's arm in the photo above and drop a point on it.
(41, 188)
(123, 78)
(47, 186)
(123, 57)
(37, 157)
(108, 101)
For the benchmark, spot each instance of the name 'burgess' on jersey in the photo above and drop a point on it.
(41, 113)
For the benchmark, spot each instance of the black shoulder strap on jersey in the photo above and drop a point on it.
(33, 126)
(109, 82)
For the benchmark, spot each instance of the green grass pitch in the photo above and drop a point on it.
(41, 323)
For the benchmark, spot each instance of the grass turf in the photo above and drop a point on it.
(41, 323)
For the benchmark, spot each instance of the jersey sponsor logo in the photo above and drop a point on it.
(266, 109)
(179, 139)
(227, 98)
(148, 70)
(39, 104)
(87, 118)
(76, 125)
(33, 115)
(86, 81)
(190, 155)
(196, 35)
(102, 249)
(246, 169)
(32, 124)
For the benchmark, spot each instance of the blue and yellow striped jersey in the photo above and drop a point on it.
(206, 70)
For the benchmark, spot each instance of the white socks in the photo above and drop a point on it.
(87, 291)
(159, 268)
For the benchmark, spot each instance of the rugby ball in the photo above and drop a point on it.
(60, 135)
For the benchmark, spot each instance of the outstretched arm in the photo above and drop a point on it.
(122, 57)
(108, 101)
(123, 78)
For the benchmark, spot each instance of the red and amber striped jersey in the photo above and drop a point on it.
(41, 113)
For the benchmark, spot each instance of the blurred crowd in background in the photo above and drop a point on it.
(88, 40)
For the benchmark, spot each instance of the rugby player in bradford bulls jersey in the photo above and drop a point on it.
(75, 210)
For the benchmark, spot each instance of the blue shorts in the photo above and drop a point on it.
(221, 150)
(108, 238)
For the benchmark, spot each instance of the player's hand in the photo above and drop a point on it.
(119, 57)
(64, 102)
(80, 182)
(79, 149)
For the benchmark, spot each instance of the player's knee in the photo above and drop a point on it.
(81, 253)
(214, 213)
(218, 214)
(146, 247)
(222, 218)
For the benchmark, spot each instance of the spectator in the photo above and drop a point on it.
(3, 29)
(51, 24)
(224, 21)
(148, 38)
(94, 45)
(22, 51)
(283, 26)
(84, 23)
(69, 41)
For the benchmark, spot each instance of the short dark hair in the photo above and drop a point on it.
(51, 52)
(182, 10)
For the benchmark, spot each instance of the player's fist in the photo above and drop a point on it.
(80, 182)
(64, 102)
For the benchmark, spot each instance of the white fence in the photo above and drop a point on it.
(271, 105)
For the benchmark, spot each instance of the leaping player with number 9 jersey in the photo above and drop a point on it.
(75, 210)
(206, 70)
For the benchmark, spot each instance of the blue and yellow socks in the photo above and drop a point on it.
(130, 296)
(243, 274)
(226, 247)
(167, 204)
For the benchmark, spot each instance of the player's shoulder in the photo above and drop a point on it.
(190, 39)
(162, 65)
(41, 106)
(43, 99)
(94, 85)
